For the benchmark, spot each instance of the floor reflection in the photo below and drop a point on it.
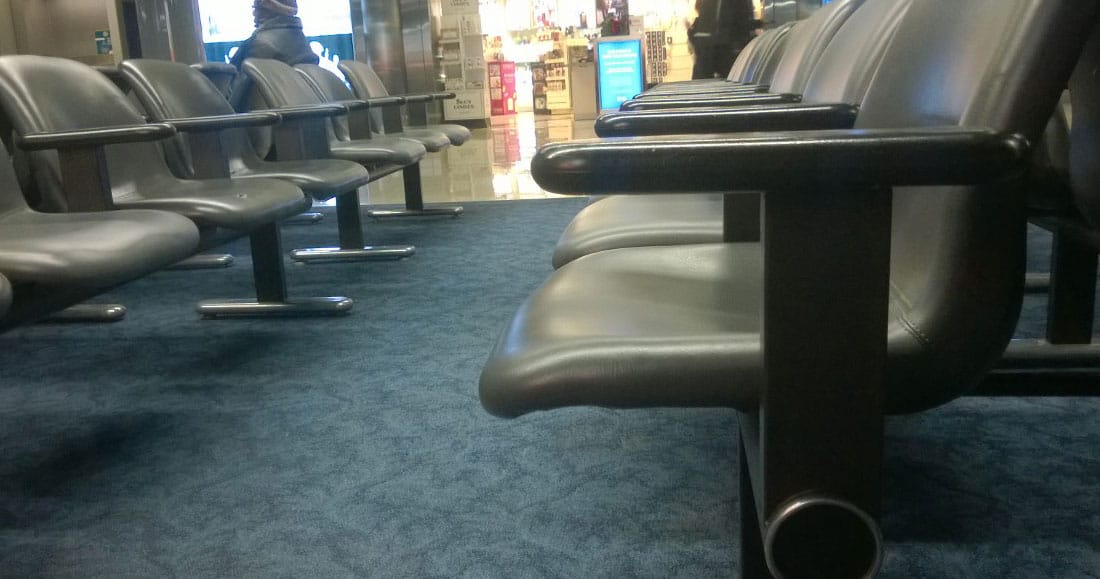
(494, 165)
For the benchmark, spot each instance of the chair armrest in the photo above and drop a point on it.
(386, 101)
(787, 117)
(95, 137)
(736, 99)
(352, 105)
(221, 122)
(443, 96)
(309, 112)
(763, 161)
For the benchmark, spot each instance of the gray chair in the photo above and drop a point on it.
(830, 99)
(804, 46)
(889, 277)
(174, 92)
(50, 261)
(752, 70)
(94, 151)
(275, 85)
(367, 85)
(331, 89)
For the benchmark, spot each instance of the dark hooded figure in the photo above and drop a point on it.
(278, 35)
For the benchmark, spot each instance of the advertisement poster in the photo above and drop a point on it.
(619, 70)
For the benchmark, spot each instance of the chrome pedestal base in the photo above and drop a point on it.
(369, 253)
(310, 218)
(323, 306)
(426, 212)
(88, 313)
(205, 261)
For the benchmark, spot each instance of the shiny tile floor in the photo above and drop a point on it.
(494, 165)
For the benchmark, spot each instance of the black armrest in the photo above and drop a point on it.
(386, 101)
(92, 137)
(309, 112)
(762, 161)
(736, 99)
(786, 117)
(353, 105)
(220, 122)
(443, 96)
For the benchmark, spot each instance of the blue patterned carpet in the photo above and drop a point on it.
(168, 446)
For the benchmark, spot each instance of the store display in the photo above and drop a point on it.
(502, 87)
(463, 61)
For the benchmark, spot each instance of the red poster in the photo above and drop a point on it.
(502, 87)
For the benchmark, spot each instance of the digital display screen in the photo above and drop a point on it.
(619, 70)
(326, 24)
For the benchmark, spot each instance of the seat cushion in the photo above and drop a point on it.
(637, 327)
(433, 141)
(458, 134)
(379, 151)
(239, 204)
(91, 250)
(319, 178)
(638, 221)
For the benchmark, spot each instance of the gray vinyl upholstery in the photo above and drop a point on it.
(53, 260)
(169, 90)
(44, 94)
(366, 84)
(279, 85)
(680, 325)
(840, 75)
(331, 89)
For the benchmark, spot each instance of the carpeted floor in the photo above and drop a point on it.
(168, 446)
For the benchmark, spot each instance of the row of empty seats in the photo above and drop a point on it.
(852, 246)
(121, 186)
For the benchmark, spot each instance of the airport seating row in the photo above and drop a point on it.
(113, 187)
(879, 270)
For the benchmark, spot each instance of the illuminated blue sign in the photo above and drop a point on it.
(619, 70)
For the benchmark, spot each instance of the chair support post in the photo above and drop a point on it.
(1072, 291)
(826, 292)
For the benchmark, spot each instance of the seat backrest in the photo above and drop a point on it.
(219, 73)
(957, 253)
(364, 81)
(762, 75)
(1084, 154)
(332, 89)
(11, 194)
(764, 48)
(278, 85)
(806, 45)
(846, 67)
(172, 90)
(41, 94)
(743, 59)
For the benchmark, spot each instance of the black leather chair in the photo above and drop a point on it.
(220, 74)
(94, 151)
(174, 92)
(276, 85)
(50, 261)
(889, 277)
(830, 99)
